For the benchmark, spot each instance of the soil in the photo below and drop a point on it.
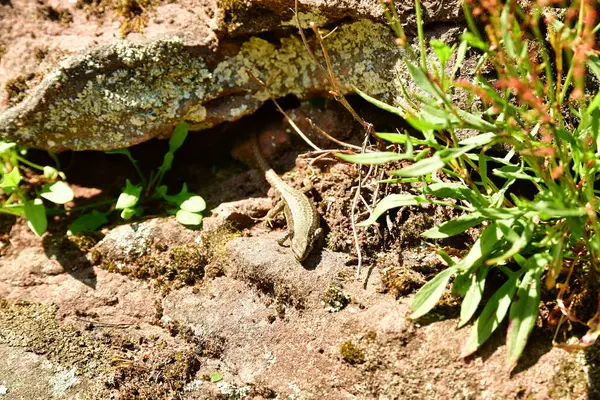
(152, 310)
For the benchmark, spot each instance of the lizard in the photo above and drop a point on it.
(301, 215)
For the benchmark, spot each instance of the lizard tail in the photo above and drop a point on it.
(260, 160)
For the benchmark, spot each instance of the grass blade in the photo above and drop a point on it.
(427, 297)
(389, 202)
(473, 296)
(374, 158)
(378, 103)
(523, 313)
(492, 315)
(454, 226)
(399, 138)
(423, 167)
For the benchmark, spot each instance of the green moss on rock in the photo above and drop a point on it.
(351, 354)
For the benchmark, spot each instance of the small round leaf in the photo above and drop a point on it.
(188, 218)
(194, 204)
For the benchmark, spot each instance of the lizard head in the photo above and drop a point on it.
(301, 247)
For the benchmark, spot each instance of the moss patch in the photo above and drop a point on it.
(128, 364)
(569, 379)
(174, 267)
(334, 299)
(134, 14)
(35, 328)
(351, 354)
(60, 15)
(16, 88)
(400, 280)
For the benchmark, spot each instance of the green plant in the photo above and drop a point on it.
(24, 199)
(187, 207)
(528, 92)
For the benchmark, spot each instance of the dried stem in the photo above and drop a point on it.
(328, 136)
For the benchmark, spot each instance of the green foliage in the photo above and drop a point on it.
(536, 106)
(188, 206)
(88, 222)
(21, 199)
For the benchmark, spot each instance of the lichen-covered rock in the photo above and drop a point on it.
(124, 92)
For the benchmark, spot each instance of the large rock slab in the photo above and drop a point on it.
(194, 62)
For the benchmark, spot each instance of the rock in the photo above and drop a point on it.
(274, 270)
(128, 243)
(244, 325)
(121, 92)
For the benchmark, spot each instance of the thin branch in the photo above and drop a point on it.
(328, 136)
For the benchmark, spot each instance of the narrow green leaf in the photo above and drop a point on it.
(522, 316)
(461, 284)
(178, 137)
(454, 226)
(124, 152)
(427, 297)
(514, 172)
(188, 218)
(594, 104)
(492, 315)
(479, 140)
(550, 210)
(389, 202)
(129, 197)
(58, 193)
(35, 212)
(473, 295)
(14, 209)
(88, 222)
(501, 213)
(452, 190)
(475, 122)
(454, 152)
(460, 57)
(373, 158)
(484, 245)
(446, 257)
(434, 113)
(399, 138)
(422, 80)
(378, 103)
(593, 62)
(506, 32)
(423, 123)
(518, 243)
(423, 167)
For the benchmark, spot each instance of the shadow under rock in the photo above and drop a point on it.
(71, 253)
